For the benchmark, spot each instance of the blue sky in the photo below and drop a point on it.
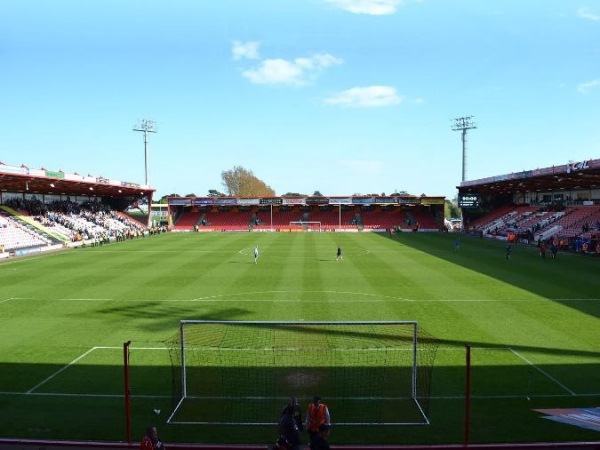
(341, 96)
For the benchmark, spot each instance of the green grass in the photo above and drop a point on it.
(532, 325)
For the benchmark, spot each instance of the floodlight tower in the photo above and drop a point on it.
(463, 124)
(146, 126)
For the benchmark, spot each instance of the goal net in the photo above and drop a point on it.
(306, 225)
(242, 372)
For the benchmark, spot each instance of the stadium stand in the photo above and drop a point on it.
(32, 224)
(14, 236)
(385, 218)
(187, 221)
(329, 217)
(533, 224)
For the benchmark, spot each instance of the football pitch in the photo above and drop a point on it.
(532, 326)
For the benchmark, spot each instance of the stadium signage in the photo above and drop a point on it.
(469, 201)
(432, 201)
(271, 201)
(54, 174)
(180, 201)
(294, 201)
(225, 201)
(575, 166)
(248, 201)
(363, 200)
(386, 200)
(317, 201)
(340, 201)
(580, 417)
(409, 200)
(202, 201)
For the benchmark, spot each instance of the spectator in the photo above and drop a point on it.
(543, 250)
(288, 428)
(318, 414)
(150, 441)
(296, 413)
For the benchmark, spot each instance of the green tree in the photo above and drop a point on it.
(451, 209)
(215, 193)
(164, 198)
(317, 194)
(241, 182)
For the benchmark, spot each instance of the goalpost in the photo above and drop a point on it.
(311, 225)
(242, 372)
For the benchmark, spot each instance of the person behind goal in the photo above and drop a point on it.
(317, 415)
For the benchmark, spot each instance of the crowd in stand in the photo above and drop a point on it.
(569, 228)
(90, 221)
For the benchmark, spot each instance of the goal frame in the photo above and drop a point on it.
(413, 333)
(306, 224)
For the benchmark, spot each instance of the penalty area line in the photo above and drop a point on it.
(543, 372)
(62, 369)
(80, 395)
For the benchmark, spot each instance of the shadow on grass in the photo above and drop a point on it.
(572, 279)
(86, 402)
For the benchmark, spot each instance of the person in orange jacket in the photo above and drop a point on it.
(317, 415)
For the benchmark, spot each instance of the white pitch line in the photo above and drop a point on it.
(575, 299)
(30, 391)
(227, 297)
(16, 298)
(433, 397)
(60, 370)
(542, 371)
(230, 297)
(63, 394)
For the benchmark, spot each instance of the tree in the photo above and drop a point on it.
(317, 194)
(451, 209)
(191, 195)
(215, 193)
(164, 198)
(294, 194)
(240, 182)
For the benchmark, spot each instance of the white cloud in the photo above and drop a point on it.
(371, 7)
(585, 88)
(245, 50)
(297, 72)
(366, 97)
(585, 13)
